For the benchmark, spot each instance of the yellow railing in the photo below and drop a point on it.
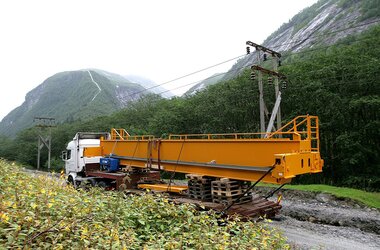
(122, 134)
(215, 136)
(305, 126)
(302, 127)
(119, 134)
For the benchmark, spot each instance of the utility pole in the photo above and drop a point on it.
(44, 139)
(272, 75)
(276, 61)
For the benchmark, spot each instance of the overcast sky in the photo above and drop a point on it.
(160, 40)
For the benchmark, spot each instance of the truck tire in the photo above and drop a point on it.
(102, 184)
(70, 180)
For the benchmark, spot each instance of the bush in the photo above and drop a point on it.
(42, 212)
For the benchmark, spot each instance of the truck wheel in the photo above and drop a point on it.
(85, 185)
(102, 184)
(70, 180)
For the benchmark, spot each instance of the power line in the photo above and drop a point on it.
(181, 77)
(238, 57)
(315, 71)
(295, 78)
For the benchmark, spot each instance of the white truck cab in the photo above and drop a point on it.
(75, 161)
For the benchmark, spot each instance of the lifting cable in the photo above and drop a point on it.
(134, 152)
(159, 153)
(113, 148)
(149, 159)
(175, 168)
(270, 194)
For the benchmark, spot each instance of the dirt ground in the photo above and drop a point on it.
(322, 221)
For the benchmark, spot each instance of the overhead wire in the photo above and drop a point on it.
(240, 56)
(187, 75)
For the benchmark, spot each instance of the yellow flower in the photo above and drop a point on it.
(33, 205)
(49, 205)
(4, 217)
(43, 191)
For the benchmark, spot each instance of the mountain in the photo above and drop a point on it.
(73, 95)
(321, 24)
(215, 78)
(150, 85)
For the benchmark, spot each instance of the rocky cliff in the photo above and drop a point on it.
(321, 24)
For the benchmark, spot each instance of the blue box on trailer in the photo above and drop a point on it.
(109, 164)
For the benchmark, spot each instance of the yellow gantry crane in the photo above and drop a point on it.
(280, 156)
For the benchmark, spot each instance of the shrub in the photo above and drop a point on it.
(43, 212)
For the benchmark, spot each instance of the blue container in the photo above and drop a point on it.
(109, 164)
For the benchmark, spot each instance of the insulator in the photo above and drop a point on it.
(253, 75)
(265, 57)
(248, 50)
(284, 84)
(270, 80)
(279, 63)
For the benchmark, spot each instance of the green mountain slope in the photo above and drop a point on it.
(72, 95)
(206, 82)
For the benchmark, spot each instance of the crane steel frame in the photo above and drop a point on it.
(291, 150)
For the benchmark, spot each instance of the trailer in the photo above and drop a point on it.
(222, 169)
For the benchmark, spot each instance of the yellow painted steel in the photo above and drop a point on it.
(164, 187)
(291, 151)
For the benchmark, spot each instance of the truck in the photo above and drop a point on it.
(222, 169)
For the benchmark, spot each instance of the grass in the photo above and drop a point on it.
(370, 199)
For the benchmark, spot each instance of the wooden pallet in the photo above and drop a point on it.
(228, 200)
(228, 185)
(200, 179)
(199, 187)
(199, 192)
(205, 197)
(228, 191)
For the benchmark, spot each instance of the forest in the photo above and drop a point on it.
(339, 83)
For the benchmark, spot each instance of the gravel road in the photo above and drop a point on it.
(322, 221)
